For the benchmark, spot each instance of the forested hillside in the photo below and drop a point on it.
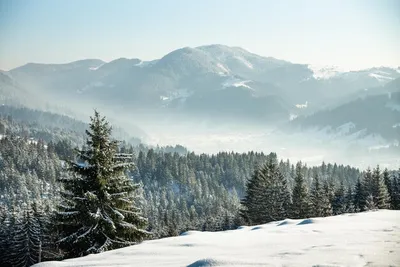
(179, 190)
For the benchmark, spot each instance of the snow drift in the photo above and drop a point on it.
(362, 239)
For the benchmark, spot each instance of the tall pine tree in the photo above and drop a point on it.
(98, 212)
(301, 204)
(381, 195)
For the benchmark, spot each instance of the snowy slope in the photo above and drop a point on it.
(364, 239)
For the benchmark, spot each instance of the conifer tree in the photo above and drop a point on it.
(26, 240)
(301, 204)
(98, 212)
(316, 197)
(388, 183)
(349, 198)
(368, 187)
(267, 195)
(395, 198)
(359, 199)
(339, 201)
(381, 195)
(370, 203)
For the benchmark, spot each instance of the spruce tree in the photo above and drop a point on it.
(359, 197)
(301, 204)
(316, 197)
(395, 198)
(339, 201)
(388, 183)
(98, 212)
(26, 240)
(370, 203)
(326, 206)
(380, 193)
(349, 198)
(267, 195)
(369, 188)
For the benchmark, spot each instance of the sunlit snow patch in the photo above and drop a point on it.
(381, 76)
(234, 82)
(358, 239)
(324, 72)
(305, 105)
(245, 62)
(96, 68)
(224, 71)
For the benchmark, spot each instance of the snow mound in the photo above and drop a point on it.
(210, 262)
(205, 263)
(306, 221)
(361, 239)
(286, 222)
(189, 233)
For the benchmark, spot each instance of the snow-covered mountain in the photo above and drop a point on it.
(370, 120)
(211, 81)
(362, 239)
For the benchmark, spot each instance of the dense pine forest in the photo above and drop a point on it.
(173, 190)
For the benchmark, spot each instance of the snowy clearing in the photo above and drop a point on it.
(363, 239)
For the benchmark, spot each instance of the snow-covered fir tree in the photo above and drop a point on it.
(267, 195)
(301, 202)
(380, 193)
(98, 211)
(339, 201)
(320, 204)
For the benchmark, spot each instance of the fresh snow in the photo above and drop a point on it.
(143, 64)
(362, 239)
(96, 68)
(305, 105)
(245, 62)
(346, 128)
(181, 94)
(324, 72)
(234, 82)
(225, 71)
(380, 77)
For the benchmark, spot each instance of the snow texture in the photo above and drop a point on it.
(96, 68)
(323, 72)
(245, 62)
(305, 105)
(234, 82)
(363, 239)
(224, 70)
(380, 76)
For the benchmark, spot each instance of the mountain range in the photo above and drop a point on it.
(214, 83)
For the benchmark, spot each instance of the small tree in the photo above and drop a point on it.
(97, 212)
(370, 203)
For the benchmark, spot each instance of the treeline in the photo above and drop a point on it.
(268, 197)
(179, 190)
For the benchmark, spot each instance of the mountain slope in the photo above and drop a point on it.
(372, 114)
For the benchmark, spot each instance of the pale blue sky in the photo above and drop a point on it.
(348, 33)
